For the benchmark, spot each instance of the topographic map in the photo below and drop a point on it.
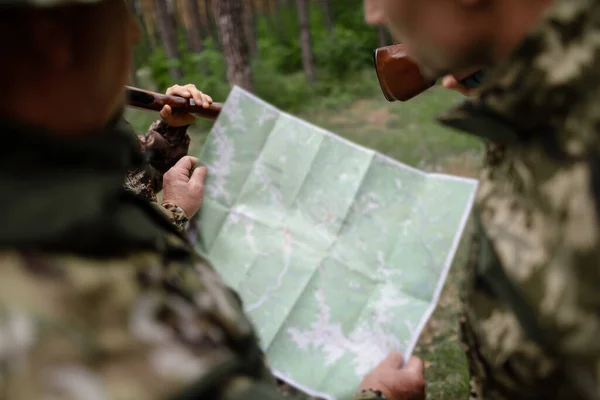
(339, 253)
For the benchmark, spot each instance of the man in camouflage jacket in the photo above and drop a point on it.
(101, 296)
(531, 322)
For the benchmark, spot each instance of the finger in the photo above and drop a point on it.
(198, 176)
(185, 165)
(179, 91)
(190, 87)
(450, 82)
(394, 360)
(415, 364)
(196, 183)
(206, 101)
(166, 112)
(198, 98)
(171, 89)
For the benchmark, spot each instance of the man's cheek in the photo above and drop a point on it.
(396, 27)
(399, 21)
(374, 14)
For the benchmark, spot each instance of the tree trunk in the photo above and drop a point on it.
(250, 25)
(305, 42)
(229, 16)
(210, 22)
(136, 8)
(275, 9)
(327, 15)
(382, 37)
(168, 36)
(147, 15)
(174, 20)
(195, 37)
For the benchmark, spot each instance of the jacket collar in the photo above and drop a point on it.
(66, 194)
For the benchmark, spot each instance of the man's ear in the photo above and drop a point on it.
(52, 39)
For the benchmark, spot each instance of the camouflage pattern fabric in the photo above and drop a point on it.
(162, 146)
(176, 215)
(538, 207)
(101, 297)
(165, 145)
(369, 395)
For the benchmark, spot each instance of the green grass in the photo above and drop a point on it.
(408, 133)
(405, 131)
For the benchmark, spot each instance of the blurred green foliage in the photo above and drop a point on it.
(345, 74)
(343, 59)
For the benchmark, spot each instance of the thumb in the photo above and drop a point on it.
(416, 365)
(166, 112)
(186, 162)
(184, 166)
(450, 82)
(198, 176)
(394, 360)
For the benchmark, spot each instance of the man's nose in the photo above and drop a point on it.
(374, 14)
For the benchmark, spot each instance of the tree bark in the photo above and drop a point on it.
(275, 19)
(229, 16)
(168, 36)
(195, 36)
(138, 11)
(327, 15)
(211, 22)
(147, 15)
(305, 41)
(250, 26)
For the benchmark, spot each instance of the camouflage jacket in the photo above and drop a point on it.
(531, 322)
(101, 297)
(162, 146)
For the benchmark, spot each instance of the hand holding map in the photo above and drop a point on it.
(339, 253)
(397, 379)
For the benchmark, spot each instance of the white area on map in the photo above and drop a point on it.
(219, 168)
(369, 343)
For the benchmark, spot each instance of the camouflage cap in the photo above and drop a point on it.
(44, 3)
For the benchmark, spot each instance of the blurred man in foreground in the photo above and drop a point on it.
(532, 307)
(101, 297)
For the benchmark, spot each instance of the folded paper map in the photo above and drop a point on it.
(339, 253)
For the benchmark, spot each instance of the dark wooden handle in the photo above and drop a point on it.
(146, 100)
(400, 77)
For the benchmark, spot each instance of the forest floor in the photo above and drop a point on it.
(408, 133)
